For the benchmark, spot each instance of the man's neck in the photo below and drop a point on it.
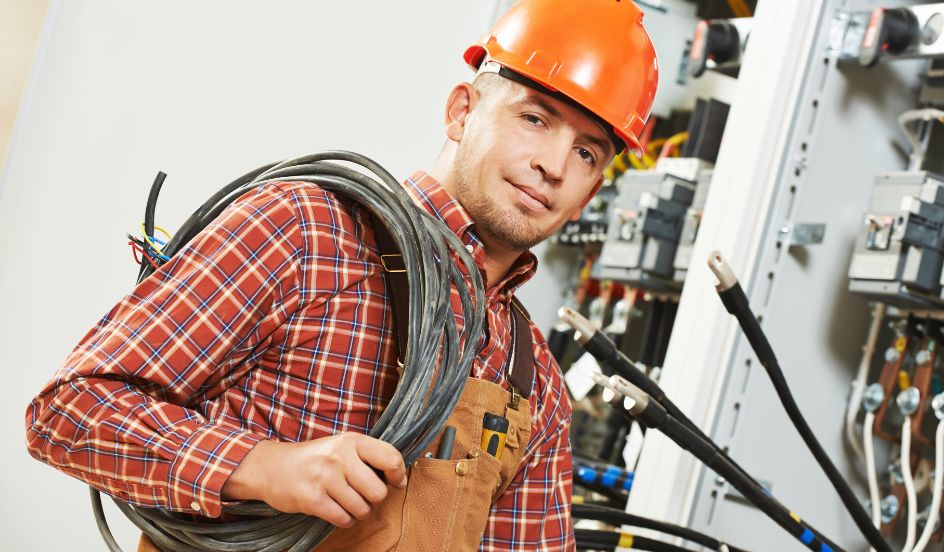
(498, 259)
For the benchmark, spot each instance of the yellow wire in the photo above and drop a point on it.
(677, 139)
(655, 145)
(739, 8)
(162, 231)
(151, 242)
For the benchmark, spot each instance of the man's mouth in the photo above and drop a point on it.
(533, 199)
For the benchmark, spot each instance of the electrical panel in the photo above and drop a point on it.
(846, 235)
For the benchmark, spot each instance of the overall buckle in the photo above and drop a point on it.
(515, 397)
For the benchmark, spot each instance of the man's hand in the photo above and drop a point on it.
(330, 478)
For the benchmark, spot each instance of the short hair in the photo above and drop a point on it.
(487, 83)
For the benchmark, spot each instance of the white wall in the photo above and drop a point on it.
(204, 91)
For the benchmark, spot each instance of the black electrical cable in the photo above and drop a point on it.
(609, 540)
(149, 216)
(613, 360)
(437, 359)
(618, 518)
(735, 301)
(651, 413)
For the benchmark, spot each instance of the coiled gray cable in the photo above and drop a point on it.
(437, 359)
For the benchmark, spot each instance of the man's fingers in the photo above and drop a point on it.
(384, 457)
(366, 482)
(349, 499)
(329, 510)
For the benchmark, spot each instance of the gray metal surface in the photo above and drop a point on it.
(843, 136)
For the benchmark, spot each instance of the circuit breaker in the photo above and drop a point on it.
(654, 218)
(899, 251)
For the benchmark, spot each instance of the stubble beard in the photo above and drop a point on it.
(505, 223)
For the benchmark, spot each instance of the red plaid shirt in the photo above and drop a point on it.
(273, 324)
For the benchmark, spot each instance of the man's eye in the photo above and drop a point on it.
(533, 119)
(586, 156)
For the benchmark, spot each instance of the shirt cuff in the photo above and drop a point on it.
(203, 464)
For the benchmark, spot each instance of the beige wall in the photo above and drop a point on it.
(20, 24)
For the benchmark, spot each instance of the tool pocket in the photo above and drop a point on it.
(447, 502)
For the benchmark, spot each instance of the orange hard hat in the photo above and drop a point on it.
(595, 53)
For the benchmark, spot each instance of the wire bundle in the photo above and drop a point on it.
(619, 518)
(662, 414)
(437, 359)
(735, 301)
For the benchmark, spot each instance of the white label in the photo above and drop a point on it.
(579, 378)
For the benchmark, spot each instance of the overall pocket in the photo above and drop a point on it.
(447, 502)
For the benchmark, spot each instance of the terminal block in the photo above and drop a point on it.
(654, 216)
(899, 252)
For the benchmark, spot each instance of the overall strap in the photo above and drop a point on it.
(520, 373)
(398, 285)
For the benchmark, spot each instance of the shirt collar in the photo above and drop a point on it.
(429, 194)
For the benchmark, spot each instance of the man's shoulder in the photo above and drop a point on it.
(317, 207)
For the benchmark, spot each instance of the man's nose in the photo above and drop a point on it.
(551, 158)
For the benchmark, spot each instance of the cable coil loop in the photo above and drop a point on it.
(437, 359)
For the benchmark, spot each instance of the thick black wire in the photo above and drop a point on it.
(609, 540)
(605, 350)
(149, 216)
(437, 359)
(656, 417)
(736, 302)
(616, 517)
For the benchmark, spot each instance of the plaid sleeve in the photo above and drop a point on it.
(124, 412)
(534, 512)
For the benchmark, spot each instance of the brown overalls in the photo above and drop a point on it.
(445, 505)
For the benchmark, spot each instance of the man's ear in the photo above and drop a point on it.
(586, 200)
(459, 105)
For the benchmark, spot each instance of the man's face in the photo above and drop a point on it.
(525, 162)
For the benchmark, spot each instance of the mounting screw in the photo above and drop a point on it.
(889, 508)
(891, 355)
(908, 400)
(937, 404)
(872, 397)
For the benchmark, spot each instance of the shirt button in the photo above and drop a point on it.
(469, 247)
(194, 506)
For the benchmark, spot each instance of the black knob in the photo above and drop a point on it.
(890, 30)
(717, 40)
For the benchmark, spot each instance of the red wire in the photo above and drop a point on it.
(137, 250)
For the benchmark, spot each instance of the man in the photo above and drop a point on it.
(251, 365)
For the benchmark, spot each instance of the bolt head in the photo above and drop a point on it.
(922, 357)
(908, 400)
(872, 397)
(937, 404)
(889, 508)
(891, 355)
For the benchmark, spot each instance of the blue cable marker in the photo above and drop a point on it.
(807, 537)
(823, 547)
(609, 479)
